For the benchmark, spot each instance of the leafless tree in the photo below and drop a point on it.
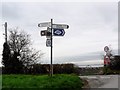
(20, 42)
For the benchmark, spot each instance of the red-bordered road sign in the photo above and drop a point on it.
(106, 48)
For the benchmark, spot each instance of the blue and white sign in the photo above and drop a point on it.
(58, 32)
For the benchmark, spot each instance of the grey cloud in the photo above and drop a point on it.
(87, 56)
(10, 10)
(109, 12)
(84, 57)
(81, 17)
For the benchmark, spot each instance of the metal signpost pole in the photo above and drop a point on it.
(56, 30)
(51, 66)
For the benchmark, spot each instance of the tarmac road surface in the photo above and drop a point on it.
(102, 81)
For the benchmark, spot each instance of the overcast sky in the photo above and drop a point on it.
(92, 26)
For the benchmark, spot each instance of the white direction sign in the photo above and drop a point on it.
(60, 26)
(48, 42)
(45, 24)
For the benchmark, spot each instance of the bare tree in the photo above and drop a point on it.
(20, 42)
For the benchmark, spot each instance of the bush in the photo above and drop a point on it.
(45, 69)
(57, 69)
(115, 63)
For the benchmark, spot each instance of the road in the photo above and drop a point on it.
(102, 81)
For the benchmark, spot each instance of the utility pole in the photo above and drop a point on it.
(51, 66)
(5, 32)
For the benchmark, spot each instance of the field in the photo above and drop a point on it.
(31, 82)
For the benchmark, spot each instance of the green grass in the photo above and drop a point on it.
(42, 81)
(0, 81)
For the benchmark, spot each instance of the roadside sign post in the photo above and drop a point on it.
(51, 66)
(58, 32)
(60, 26)
(106, 48)
(106, 59)
(45, 24)
(52, 30)
(48, 42)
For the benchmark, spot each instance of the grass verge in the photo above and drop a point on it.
(37, 82)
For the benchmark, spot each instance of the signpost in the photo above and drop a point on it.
(60, 26)
(106, 48)
(45, 24)
(52, 30)
(48, 42)
(45, 33)
(107, 56)
(48, 36)
(106, 60)
(51, 66)
(49, 29)
(58, 32)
